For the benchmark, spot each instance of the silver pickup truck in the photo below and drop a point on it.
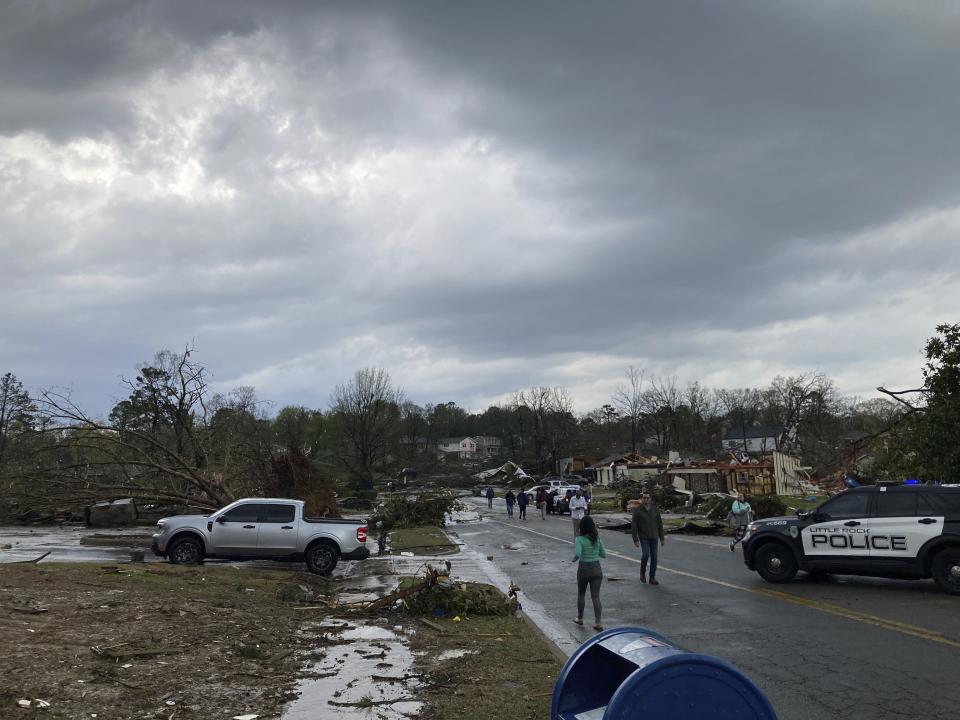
(262, 528)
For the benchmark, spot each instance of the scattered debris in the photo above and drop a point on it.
(27, 610)
(112, 514)
(112, 653)
(23, 562)
(37, 703)
(432, 626)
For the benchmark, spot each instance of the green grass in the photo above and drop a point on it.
(421, 540)
(510, 673)
(604, 504)
(801, 503)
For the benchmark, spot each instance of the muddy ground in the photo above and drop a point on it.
(173, 642)
(148, 641)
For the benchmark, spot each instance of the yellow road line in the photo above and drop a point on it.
(819, 605)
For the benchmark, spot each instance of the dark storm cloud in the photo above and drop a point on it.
(476, 195)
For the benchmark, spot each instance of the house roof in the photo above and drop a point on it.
(755, 431)
(628, 459)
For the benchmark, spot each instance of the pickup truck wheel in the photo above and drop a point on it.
(775, 563)
(321, 558)
(946, 570)
(185, 551)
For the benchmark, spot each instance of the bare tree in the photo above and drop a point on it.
(801, 400)
(16, 413)
(661, 403)
(551, 413)
(629, 400)
(369, 408)
(742, 407)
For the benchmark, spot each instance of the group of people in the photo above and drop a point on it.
(646, 527)
(545, 501)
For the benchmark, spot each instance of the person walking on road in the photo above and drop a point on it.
(542, 503)
(588, 549)
(647, 528)
(489, 497)
(740, 516)
(523, 499)
(551, 502)
(510, 498)
(578, 508)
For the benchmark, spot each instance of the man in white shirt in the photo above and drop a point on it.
(578, 508)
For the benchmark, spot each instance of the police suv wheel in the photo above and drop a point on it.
(775, 563)
(946, 570)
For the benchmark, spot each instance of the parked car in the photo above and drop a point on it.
(262, 528)
(561, 505)
(901, 531)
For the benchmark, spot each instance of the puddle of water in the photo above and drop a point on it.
(366, 588)
(63, 543)
(462, 516)
(366, 675)
(454, 654)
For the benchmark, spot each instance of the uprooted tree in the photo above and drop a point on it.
(171, 440)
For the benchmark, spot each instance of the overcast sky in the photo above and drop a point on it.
(477, 197)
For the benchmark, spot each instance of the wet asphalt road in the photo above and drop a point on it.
(848, 647)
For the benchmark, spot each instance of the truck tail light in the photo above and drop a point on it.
(361, 534)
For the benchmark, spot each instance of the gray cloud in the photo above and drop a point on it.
(480, 197)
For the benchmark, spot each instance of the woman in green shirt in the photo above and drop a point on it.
(740, 516)
(588, 549)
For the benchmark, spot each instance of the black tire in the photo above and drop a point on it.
(185, 551)
(946, 570)
(775, 563)
(321, 558)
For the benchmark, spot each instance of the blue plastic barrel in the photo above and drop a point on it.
(633, 673)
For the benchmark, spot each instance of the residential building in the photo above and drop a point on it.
(481, 446)
(754, 439)
(628, 466)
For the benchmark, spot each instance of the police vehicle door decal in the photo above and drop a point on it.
(840, 528)
(900, 527)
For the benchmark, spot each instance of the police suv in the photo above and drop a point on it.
(899, 531)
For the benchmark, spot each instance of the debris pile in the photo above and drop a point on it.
(431, 591)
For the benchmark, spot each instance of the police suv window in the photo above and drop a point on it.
(944, 503)
(896, 504)
(926, 508)
(848, 505)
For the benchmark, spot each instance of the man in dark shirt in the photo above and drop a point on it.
(523, 499)
(647, 528)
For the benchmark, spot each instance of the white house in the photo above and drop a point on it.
(480, 446)
(754, 439)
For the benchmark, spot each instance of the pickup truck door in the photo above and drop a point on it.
(235, 532)
(278, 530)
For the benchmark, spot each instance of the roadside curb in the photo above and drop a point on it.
(560, 644)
